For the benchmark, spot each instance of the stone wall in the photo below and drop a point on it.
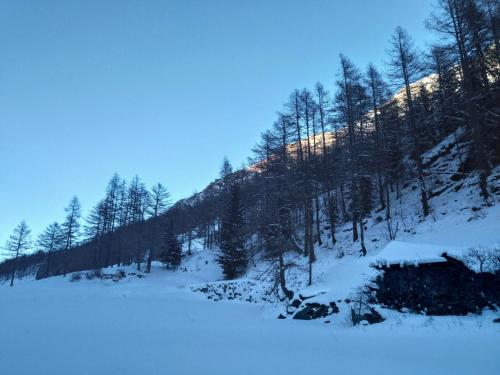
(442, 288)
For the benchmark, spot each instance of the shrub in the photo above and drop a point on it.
(97, 273)
(90, 275)
(483, 259)
(77, 276)
(121, 274)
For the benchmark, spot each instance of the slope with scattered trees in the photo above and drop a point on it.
(330, 159)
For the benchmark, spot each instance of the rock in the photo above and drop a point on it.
(334, 307)
(296, 303)
(312, 311)
(371, 316)
(440, 288)
(316, 310)
(281, 316)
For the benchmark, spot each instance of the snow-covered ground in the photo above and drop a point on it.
(160, 324)
(155, 325)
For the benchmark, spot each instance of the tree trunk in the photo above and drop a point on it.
(331, 215)
(14, 270)
(148, 264)
(362, 236)
(288, 293)
(354, 226)
(381, 190)
(318, 223)
(190, 237)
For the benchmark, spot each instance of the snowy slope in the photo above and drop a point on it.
(459, 220)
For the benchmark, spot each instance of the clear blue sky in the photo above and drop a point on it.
(163, 89)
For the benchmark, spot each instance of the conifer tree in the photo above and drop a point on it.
(232, 257)
(50, 240)
(226, 169)
(71, 225)
(172, 250)
(17, 244)
(159, 202)
(406, 67)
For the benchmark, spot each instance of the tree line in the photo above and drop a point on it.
(331, 156)
(124, 205)
(339, 156)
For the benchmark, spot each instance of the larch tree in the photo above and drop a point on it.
(71, 224)
(17, 244)
(405, 68)
(350, 106)
(159, 201)
(158, 205)
(50, 240)
(470, 29)
(71, 228)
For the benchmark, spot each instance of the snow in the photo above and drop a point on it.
(454, 234)
(398, 252)
(164, 324)
(156, 325)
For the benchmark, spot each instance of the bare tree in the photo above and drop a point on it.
(17, 244)
(71, 225)
(351, 107)
(406, 67)
(50, 240)
(486, 260)
(159, 200)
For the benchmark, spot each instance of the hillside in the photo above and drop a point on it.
(460, 220)
(161, 319)
(132, 321)
(360, 236)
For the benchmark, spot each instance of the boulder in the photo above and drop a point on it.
(334, 307)
(316, 310)
(366, 317)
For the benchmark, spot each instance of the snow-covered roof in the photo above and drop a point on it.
(398, 252)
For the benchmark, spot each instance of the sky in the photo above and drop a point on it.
(162, 89)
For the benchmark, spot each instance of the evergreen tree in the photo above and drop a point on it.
(172, 250)
(232, 257)
(226, 168)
